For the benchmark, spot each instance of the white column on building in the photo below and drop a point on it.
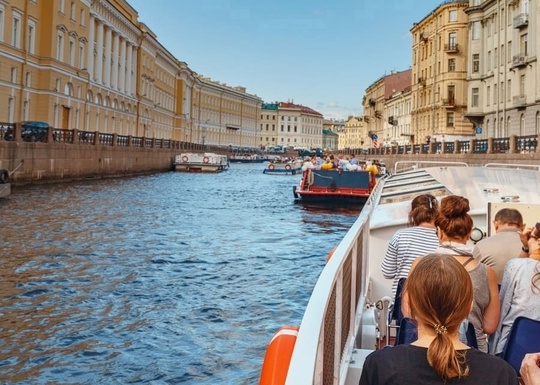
(115, 53)
(122, 69)
(128, 68)
(134, 70)
(108, 49)
(99, 55)
(90, 48)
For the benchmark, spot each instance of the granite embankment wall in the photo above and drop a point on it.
(56, 162)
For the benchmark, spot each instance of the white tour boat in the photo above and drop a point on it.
(201, 162)
(345, 319)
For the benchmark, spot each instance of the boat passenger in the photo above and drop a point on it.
(498, 249)
(327, 165)
(354, 161)
(414, 241)
(454, 226)
(520, 289)
(530, 369)
(308, 164)
(438, 294)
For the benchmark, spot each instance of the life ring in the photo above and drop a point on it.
(270, 166)
(206, 159)
(185, 158)
(330, 254)
(287, 167)
(278, 356)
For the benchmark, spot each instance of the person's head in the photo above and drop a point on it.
(534, 247)
(423, 209)
(506, 218)
(452, 218)
(439, 296)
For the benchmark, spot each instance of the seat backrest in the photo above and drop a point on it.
(408, 331)
(396, 313)
(524, 337)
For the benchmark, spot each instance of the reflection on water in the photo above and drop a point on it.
(167, 279)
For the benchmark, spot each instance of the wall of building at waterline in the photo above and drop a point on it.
(56, 162)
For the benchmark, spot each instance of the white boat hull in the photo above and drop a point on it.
(202, 163)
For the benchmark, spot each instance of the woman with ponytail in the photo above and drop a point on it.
(438, 295)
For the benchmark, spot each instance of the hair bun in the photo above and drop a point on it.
(454, 206)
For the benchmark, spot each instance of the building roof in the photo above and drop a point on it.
(304, 109)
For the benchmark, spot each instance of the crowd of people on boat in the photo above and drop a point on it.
(343, 163)
(449, 284)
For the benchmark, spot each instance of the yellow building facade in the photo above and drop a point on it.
(92, 66)
(439, 74)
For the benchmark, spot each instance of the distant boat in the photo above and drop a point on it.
(278, 167)
(207, 162)
(335, 187)
(5, 185)
(246, 158)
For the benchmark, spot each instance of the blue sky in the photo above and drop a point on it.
(319, 53)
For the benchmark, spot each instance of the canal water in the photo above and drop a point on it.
(169, 278)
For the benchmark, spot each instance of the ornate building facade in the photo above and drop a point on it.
(91, 65)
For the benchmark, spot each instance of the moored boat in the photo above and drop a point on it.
(335, 187)
(346, 317)
(280, 167)
(246, 158)
(5, 185)
(201, 162)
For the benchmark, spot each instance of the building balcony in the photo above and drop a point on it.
(451, 48)
(424, 36)
(422, 81)
(520, 101)
(521, 20)
(449, 103)
(519, 60)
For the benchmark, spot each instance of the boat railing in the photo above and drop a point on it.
(410, 165)
(516, 166)
(333, 314)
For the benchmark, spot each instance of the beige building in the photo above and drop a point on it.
(354, 134)
(331, 130)
(295, 126)
(397, 127)
(503, 71)
(439, 74)
(91, 65)
(374, 104)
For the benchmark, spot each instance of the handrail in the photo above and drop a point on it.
(515, 165)
(415, 164)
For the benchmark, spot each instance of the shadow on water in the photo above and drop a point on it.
(167, 278)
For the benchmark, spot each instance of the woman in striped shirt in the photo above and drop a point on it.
(418, 240)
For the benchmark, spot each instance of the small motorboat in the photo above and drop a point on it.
(278, 167)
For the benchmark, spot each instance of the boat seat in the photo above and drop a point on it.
(521, 342)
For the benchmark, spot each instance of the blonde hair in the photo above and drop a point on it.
(440, 294)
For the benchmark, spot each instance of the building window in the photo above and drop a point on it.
(13, 75)
(15, 31)
(81, 55)
(509, 52)
(522, 85)
(28, 80)
(475, 30)
(1, 22)
(452, 15)
(60, 47)
(488, 95)
(71, 52)
(475, 96)
(31, 37)
(449, 119)
(83, 14)
(72, 11)
(509, 90)
(451, 65)
(523, 44)
(61, 6)
(476, 63)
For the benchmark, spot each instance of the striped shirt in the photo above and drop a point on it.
(404, 247)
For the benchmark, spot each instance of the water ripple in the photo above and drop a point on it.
(164, 279)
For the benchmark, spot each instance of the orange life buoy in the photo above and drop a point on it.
(278, 356)
(206, 160)
(287, 167)
(329, 256)
(185, 158)
(270, 166)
